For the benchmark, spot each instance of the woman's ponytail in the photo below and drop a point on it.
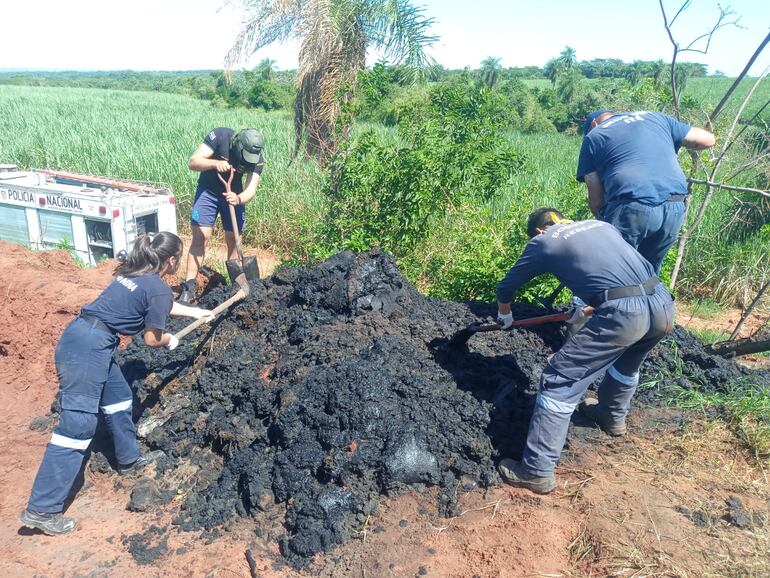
(150, 254)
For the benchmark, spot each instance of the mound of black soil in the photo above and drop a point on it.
(334, 384)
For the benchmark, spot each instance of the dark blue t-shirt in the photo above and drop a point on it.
(130, 304)
(634, 154)
(218, 140)
(587, 256)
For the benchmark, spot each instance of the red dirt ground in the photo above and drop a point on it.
(613, 514)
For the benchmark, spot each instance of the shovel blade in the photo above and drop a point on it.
(249, 270)
(461, 337)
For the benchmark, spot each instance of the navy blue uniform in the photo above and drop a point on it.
(634, 155)
(209, 195)
(90, 381)
(590, 257)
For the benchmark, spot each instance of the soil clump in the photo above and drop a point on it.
(333, 385)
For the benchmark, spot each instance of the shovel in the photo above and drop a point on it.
(241, 271)
(244, 269)
(461, 337)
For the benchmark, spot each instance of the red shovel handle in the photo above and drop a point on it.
(556, 317)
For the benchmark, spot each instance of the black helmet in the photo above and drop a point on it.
(246, 148)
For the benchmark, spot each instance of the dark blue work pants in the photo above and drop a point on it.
(616, 340)
(651, 230)
(88, 378)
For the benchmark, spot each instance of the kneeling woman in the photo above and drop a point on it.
(89, 379)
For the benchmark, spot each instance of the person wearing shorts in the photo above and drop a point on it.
(222, 151)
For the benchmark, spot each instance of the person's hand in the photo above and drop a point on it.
(198, 313)
(222, 166)
(578, 316)
(172, 342)
(232, 198)
(505, 319)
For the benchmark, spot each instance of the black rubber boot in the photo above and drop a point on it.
(514, 474)
(590, 409)
(144, 459)
(54, 524)
(189, 290)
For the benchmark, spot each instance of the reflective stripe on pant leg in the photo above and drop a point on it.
(615, 394)
(116, 405)
(631, 380)
(62, 461)
(556, 401)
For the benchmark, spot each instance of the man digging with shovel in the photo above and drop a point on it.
(632, 311)
(222, 155)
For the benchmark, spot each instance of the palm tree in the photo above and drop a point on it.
(568, 58)
(334, 36)
(490, 71)
(266, 68)
(552, 70)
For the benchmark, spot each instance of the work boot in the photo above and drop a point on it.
(139, 464)
(590, 409)
(514, 474)
(189, 289)
(52, 524)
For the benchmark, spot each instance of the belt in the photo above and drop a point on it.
(96, 322)
(646, 288)
(675, 198)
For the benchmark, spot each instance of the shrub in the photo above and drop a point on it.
(454, 153)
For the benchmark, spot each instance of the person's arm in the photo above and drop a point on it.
(249, 191)
(698, 139)
(179, 310)
(202, 160)
(156, 338)
(595, 188)
(527, 267)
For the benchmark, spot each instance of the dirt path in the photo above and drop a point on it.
(655, 503)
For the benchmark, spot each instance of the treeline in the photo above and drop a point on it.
(386, 88)
(264, 87)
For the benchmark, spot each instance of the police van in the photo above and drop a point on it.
(95, 217)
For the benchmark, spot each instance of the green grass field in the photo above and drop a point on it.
(150, 136)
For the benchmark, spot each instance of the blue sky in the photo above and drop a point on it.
(195, 34)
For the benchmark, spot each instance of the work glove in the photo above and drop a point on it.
(577, 317)
(506, 320)
(172, 342)
(198, 313)
(578, 320)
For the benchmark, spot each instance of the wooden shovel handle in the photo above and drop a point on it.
(240, 294)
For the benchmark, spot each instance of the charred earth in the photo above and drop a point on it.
(333, 385)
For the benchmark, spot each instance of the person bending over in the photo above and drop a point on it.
(632, 311)
(628, 163)
(90, 381)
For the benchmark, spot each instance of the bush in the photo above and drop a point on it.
(455, 153)
(469, 252)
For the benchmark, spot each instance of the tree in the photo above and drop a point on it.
(266, 69)
(334, 36)
(490, 71)
(552, 70)
(730, 137)
(567, 58)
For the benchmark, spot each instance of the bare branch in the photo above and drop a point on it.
(718, 186)
(748, 165)
(748, 311)
(738, 80)
(720, 23)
